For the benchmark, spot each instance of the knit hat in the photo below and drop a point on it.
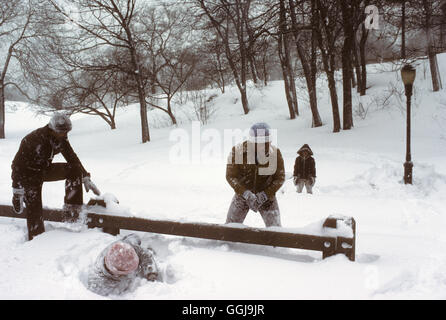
(259, 132)
(121, 259)
(60, 123)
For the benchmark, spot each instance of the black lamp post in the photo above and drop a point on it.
(408, 76)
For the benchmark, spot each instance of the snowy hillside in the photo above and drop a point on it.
(401, 243)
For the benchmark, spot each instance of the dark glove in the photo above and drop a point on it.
(251, 199)
(18, 199)
(89, 185)
(261, 198)
(295, 179)
(312, 180)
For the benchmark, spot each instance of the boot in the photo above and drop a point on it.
(72, 212)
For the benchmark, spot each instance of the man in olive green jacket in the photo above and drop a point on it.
(255, 171)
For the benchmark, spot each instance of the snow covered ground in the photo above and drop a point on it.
(401, 243)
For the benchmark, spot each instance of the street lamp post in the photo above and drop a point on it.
(408, 76)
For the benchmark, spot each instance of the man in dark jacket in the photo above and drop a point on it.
(119, 266)
(32, 165)
(305, 170)
(255, 171)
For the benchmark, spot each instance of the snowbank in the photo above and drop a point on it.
(400, 229)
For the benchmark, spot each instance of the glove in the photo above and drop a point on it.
(89, 185)
(261, 198)
(251, 199)
(312, 180)
(18, 199)
(295, 179)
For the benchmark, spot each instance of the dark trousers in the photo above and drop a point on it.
(239, 209)
(33, 194)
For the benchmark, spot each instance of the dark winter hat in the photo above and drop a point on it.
(259, 132)
(60, 123)
(121, 259)
(307, 148)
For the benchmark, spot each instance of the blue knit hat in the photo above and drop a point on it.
(259, 132)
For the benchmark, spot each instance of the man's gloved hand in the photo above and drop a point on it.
(261, 198)
(312, 180)
(251, 199)
(89, 185)
(18, 198)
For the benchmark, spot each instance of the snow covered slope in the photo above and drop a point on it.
(400, 243)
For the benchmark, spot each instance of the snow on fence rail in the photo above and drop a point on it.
(329, 245)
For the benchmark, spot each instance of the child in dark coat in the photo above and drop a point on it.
(304, 169)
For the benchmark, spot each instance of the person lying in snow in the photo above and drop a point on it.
(118, 267)
(255, 171)
(304, 169)
(32, 165)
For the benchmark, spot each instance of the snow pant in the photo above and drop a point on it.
(304, 182)
(239, 209)
(33, 194)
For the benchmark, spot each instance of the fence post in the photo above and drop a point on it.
(343, 245)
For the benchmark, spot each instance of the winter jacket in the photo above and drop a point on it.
(36, 154)
(102, 282)
(304, 168)
(246, 174)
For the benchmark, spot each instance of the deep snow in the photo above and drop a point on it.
(400, 229)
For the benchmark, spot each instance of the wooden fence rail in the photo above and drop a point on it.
(328, 245)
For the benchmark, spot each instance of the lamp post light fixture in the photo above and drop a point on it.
(408, 76)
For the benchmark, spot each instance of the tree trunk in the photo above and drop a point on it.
(362, 43)
(347, 65)
(2, 111)
(427, 6)
(292, 83)
(309, 68)
(220, 73)
(434, 71)
(145, 136)
(317, 122)
(285, 75)
(356, 75)
(265, 71)
(403, 29)
(239, 80)
(244, 100)
(334, 101)
(328, 61)
(170, 113)
(432, 62)
(284, 56)
(253, 70)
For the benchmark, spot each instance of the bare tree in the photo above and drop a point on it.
(307, 57)
(168, 61)
(20, 25)
(429, 9)
(327, 30)
(229, 22)
(285, 57)
(92, 93)
(172, 78)
(104, 24)
(213, 68)
(348, 8)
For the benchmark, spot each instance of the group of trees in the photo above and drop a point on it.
(94, 56)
